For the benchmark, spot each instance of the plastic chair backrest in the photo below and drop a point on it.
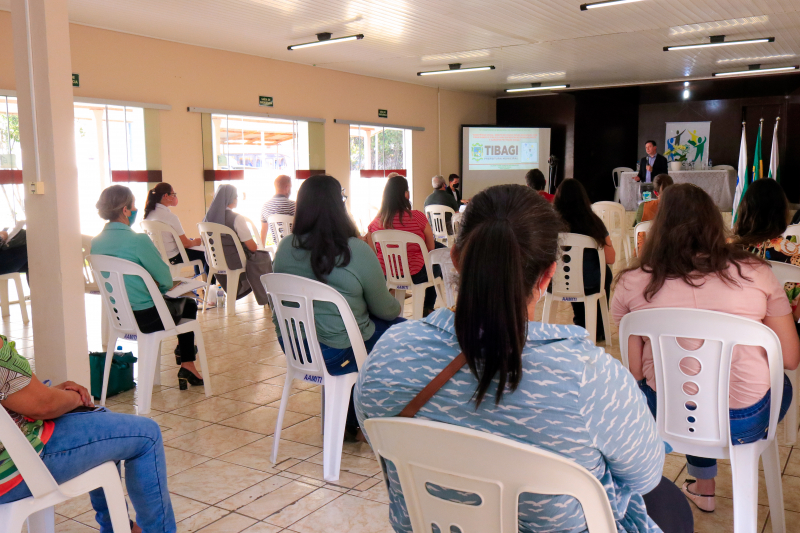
(30, 465)
(254, 231)
(641, 227)
(292, 299)
(568, 279)
(615, 174)
(688, 420)
(211, 234)
(156, 229)
(785, 272)
(458, 461)
(612, 214)
(792, 231)
(437, 214)
(441, 257)
(394, 249)
(281, 225)
(89, 283)
(110, 272)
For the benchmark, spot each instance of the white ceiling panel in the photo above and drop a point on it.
(527, 40)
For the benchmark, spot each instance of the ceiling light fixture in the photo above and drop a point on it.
(755, 58)
(607, 3)
(454, 67)
(686, 94)
(717, 25)
(718, 40)
(538, 87)
(755, 69)
(686, 84)
(325, 38)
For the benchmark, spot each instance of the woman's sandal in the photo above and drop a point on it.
(704, 502)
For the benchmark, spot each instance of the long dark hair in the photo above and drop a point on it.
(762, 213)
(394, 201)
(572, 203)
(155, 195)
(508, 239)
(322, 225)
(687, 242)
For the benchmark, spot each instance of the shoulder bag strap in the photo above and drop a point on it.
(413, 407)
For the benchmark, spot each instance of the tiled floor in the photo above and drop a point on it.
(218, 449)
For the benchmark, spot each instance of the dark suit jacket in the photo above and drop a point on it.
(659, 167)
(456, 193)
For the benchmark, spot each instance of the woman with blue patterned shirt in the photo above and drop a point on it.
(541, 384)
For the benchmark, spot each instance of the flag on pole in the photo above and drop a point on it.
(741, 176)
(758, 164)
(774, 166)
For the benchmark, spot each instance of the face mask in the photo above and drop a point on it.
(132, 217)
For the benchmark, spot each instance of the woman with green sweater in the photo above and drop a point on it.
(325, 246)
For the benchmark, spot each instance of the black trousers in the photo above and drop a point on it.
(193, 255)
(150, 322)
(668, 508)
(14, 260)
(580, 311)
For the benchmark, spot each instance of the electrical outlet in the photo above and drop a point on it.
(37, 187)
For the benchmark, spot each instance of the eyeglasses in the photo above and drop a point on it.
(173, 194)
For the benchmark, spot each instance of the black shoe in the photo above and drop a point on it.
(177, 353)
(186, 378)
(426, 311)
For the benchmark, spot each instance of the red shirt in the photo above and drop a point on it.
(414, 224)
(547, 196)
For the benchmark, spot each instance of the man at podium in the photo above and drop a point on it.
(652, 164)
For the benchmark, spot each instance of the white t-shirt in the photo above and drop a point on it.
(241, 227)
(162, 214)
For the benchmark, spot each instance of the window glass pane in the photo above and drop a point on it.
(12, 207)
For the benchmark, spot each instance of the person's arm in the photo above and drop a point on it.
(39, 402)
(151, 260)
(368, 240)
(188, 243)
(639, 215)
(379, 300)
(251, 245)
(264, 230)
(430, 241)
(608, 251)
(619, 308)
(642, 169)
(784, 328)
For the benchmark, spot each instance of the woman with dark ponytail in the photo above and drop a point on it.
(544, 385)
(159, 199)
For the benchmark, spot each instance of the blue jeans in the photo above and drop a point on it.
(747, 425)
(82, 441)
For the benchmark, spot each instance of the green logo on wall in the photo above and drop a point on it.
(477, 152)
(383, 113)
(76, 80)
(265, 101)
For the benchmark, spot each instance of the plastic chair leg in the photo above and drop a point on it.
(417, 301)
(43, 521)
(157, 376)
(606, 317)
(230, 296)
(337, 400)
(147, 369)
(4, 305)
(21, 297)
(115, 498)
(590, 310)
(201, 356)
(211, 272)
(790, 420)
(287, 390)
(112, 342)
(744, 467)
(772, 475)
(441, 292)
(400, 296)
(626, 246)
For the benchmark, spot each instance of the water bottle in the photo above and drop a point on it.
(709, 164)
(220, 296)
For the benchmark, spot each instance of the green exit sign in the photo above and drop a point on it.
(265, 101)
(76, 80)
(383, 113)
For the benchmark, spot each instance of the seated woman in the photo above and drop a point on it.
(73, 443)
(159, 199)
(257, 262)
(505, 255)
(325, 246)
(647, 210)
(117, 205)
(572, 203)
(396, 213)
(687, 263)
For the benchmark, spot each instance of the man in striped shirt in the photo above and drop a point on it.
(277, 205)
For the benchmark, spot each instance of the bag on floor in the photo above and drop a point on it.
(120, 379)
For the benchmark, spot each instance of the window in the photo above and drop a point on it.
(375, 152)
(12, 204)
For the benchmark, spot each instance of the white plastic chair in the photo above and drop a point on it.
(5, 302)
(156, 229)
(792, 231)
(437, 214)
(613, 216)
(280, 225)
(394, 249)
(456, 457)
(295, 319)
(441, 257)
(255, 232)
(617, 177)
(641, 227)
(38, 509)
(211, 234)
(787, 273)
(699, 424)
(110, 271)
(567, 284)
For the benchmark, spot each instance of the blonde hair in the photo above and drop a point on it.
(112, 201)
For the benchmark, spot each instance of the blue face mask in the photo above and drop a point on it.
(132, 217)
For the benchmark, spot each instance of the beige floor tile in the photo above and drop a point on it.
(254, 339)
(258, 393)
(275, 360)
(302, 507)
(306, 432)
(792, 523)
(185, 507)
(791, 493)
(362, 449)
(214, 409)
(179, 460)
(220, 348)
(722, 518)
(253, 493)
(368, 484)
(254, 372)
(347, 513)
(70, 526)
(214, 481)
(362, 466)
(201, 519)
(262, 527)
(313, 470)
(296, 384)
(178, 425)
(171, 399)
(376, 493)
(128, 409)
(246, 328)
(306, 402)
(673, 467)
(223, 384)
(257, 454)
(233, 523)
(75, 506)
(793, 465)
(277, 500)
(263, 419)
(213, 441)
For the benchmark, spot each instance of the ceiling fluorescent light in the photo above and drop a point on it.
(454, 67)
(529, 76)
(755, 58)
(593, 5)
(538, 87)
(718, 40)
(325, 38)
(753, 71)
